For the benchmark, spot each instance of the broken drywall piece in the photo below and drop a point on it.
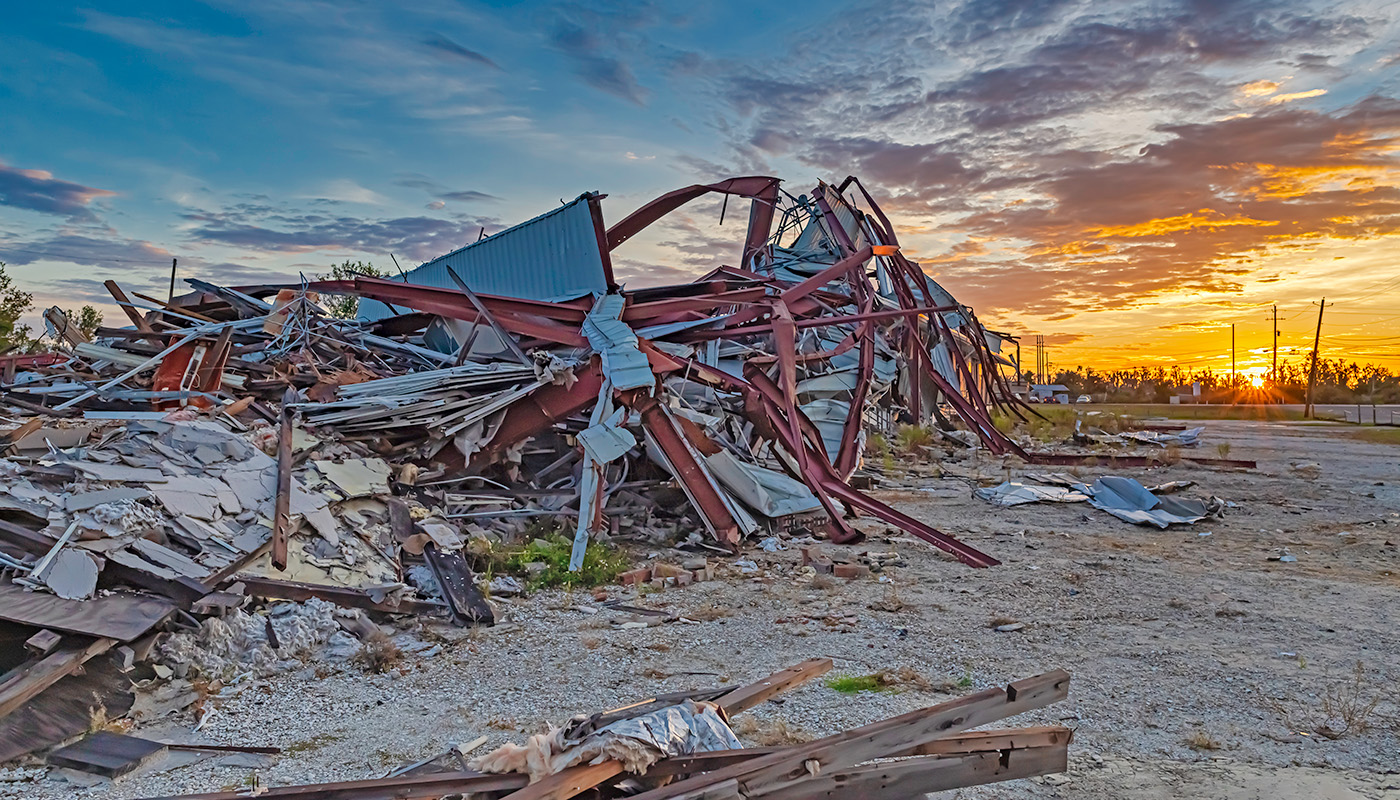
(82, 502)
(71, 575)
(357, 477)
(116, 473)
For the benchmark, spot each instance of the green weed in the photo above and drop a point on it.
(855, 684)
(551, 548)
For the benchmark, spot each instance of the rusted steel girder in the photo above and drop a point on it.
(762, 189)
(537, 411)
(693, 477)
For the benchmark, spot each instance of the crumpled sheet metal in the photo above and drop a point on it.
(1122, 497)
(1014, 494)
(1129, 500)
(637, 743)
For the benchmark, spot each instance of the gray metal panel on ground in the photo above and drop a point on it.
(552, 257)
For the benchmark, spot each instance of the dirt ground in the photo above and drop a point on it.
(1202, 666)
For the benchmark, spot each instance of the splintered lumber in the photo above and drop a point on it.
(759, 692)
(884, 739)
(915, 777)
(408, 787)
(26, 682)
(281, 517)
(576, 780)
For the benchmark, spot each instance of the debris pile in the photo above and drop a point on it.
(240, 443)
(680, 746)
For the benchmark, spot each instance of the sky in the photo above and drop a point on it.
(1128, 179)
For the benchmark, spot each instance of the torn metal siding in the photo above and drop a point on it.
(555, 256)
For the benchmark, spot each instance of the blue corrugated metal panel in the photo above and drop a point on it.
(552, 257)
(625, 366)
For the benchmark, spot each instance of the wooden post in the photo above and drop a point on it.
(1312, 372)
(281, 518)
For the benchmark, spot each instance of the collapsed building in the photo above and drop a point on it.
(236, 443)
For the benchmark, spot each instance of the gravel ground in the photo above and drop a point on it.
(1174, 639)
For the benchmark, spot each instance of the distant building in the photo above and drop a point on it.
(1050, 393)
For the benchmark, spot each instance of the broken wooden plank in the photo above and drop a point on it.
(65, 709)
(404, 787)
(105, 753)
(26, 682)
(281, 518)
(127, 306)
(915, 777)
(43, 642)
(759, 692)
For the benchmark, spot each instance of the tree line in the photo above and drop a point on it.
(1338, 381)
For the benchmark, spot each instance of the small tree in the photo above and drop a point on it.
(346, 306)
(13, 305)
(88, 320)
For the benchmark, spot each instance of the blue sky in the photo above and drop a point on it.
(1070, 168)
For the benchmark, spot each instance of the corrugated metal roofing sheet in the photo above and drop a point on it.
(624, 364)
(552, 257)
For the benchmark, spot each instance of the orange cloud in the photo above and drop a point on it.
(1177, 224)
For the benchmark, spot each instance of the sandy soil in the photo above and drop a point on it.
(1174, 638)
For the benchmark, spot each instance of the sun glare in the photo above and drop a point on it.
(1256, 380)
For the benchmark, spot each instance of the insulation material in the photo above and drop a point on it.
(636, 743)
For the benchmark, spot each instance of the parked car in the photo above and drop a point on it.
(1084, 398)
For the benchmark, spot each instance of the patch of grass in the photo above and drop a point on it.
(966, 680)
(1200, 740)
(855, 684)
(1223, 449)
(1199, 411)
(1375, 435)
(550, 547)
(877, 446)
(913, 437)
(314, 743)
(1054, 423)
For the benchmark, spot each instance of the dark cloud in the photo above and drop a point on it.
(37, 190)
(446, 46)
(597, 66)
(435, 189)
(422, 238)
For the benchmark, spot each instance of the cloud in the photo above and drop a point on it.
(445, 45)
(437, 190)
(1291, 96)
(422, 238)
(38, 190)
(595, 65)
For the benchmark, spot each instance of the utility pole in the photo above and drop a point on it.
(1273, 373)
(1234, 379)
(173, 262)
(1312, 372)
